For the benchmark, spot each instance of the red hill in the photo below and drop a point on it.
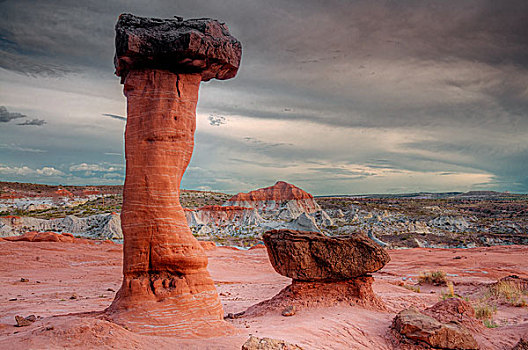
(281, 191)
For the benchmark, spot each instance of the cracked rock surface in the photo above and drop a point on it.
(312, 256)
(201, 45)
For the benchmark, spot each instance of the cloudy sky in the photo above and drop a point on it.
(335, 96)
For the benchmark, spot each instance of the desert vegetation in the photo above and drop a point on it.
(437, 278)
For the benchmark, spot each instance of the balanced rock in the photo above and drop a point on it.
(325, 271)
(312, 256)
(166, 287)
(420, 328)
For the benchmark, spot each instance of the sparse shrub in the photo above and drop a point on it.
(490, 324)
(437, 278)
(415, 289)
(450, 293)
(484, 311)
(508, 292)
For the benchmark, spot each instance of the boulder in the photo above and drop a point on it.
(312, 256)
(455, 310)
(24, 321)
(254, 343)
(201, 45)
(521, 345)
(208, 245)
(417, 327)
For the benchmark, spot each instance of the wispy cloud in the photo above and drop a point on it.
(36, 122)
(6, 116)
(115, 116)
(18, 148)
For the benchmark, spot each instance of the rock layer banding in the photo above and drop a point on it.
(166, 286)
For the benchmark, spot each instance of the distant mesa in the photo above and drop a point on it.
(281, 191)
(281, 206)
(271, 197)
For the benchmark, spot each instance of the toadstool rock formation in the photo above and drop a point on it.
(324, 270)
(166, 286)
(312, 256)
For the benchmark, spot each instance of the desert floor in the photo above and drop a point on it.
(70, 283)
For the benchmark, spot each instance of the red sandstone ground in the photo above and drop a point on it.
(92, 272)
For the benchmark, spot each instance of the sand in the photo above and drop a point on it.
(70, 284)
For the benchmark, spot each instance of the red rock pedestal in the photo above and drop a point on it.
(301, 294)
(166, 287)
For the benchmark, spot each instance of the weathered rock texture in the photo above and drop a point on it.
(312, 256)
(166, 287)
(99, 226)
(325, 270)
(455, 310)
(201, 46)
(417, 327)
(220, 215)
(254, 343)
(521, 345)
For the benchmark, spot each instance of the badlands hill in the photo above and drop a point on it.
(275, 197)
(453, 219)
(281, 206)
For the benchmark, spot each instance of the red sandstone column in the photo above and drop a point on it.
(166, 287)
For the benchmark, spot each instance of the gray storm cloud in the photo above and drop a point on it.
(6, 116)
(450, 77)
(36, 122)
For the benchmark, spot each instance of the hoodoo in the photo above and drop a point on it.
(166, 286)
(325, 271)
